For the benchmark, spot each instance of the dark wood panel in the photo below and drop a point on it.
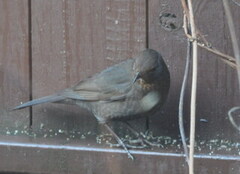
(217, 83)
(166, 36)
(218, 90)
(59, 157)
(73, 40)
(14, 63)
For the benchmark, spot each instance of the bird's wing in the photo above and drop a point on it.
(112, 84)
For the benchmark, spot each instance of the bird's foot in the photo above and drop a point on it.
(146, 140)
(128, 144)
(143, 140)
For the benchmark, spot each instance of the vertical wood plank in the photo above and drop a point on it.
(171, 43)
(14, 63)
(75, 39)
(217, 85)
(218, 90)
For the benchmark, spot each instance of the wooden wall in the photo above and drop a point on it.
(48, 45)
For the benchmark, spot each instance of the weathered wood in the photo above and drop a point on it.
(55, 156)
(217, 83)
(14, 63)
(218, 90)
(73, 40)
(166, 36)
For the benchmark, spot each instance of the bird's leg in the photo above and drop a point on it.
(119, 141)
(147, 124)
(142, 138)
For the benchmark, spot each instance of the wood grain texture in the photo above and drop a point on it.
(72, 40)
(218, 90)
(75, 159)
(75, 39)
(14, 63)
(217, 84)
(171, 43)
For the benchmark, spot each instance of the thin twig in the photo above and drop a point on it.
(193, 90)
(235, 50)
(236, 3)
(230, 116)
(233, 36)
(224, 57)
(185, 8)
(180, 108)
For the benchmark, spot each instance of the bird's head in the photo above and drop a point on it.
(148, 66)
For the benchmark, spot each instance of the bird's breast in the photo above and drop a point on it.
(150, 100)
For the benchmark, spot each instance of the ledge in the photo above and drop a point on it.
(36, 155)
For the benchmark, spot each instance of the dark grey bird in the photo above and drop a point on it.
(127, 90)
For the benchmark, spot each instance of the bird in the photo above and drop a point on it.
(128, 90)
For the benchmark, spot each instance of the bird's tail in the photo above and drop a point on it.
(47, 99)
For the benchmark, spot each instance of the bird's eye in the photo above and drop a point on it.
(153, 69)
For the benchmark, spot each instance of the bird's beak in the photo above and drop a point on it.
(137, 76)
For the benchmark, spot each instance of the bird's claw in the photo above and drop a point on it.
(147, 139)
(128, 144)
(143, 140)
